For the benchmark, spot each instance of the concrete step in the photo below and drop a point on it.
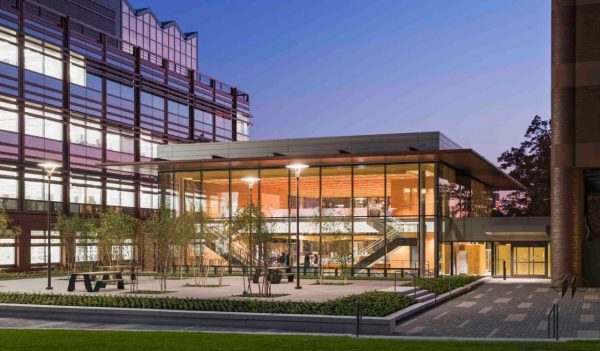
(428, 296)
(411, 292)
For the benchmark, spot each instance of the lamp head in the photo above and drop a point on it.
(297, 167)
(49, 167)
(250, 181)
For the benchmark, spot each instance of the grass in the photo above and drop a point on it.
(67, 340)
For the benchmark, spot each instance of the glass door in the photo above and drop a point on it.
(529, 261)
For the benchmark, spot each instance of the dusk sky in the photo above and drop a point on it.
(478, 71)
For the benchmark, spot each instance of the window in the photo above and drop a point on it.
(149, 197)
(77, 73)
(39, 247)
(9, 187)
(149, 148)
(85, 190)
(43, 58)
(39, 191)
(85, 133)
(86, 249)
(49, 127)
(120, 193)
(9, 54)
(8, 250)
(117, 142)
(9, 118)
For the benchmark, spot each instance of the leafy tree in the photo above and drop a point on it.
(530, 165)
(114, 229)
(332, 229)
(255, 232)
(158, 231)
(69, 228)
(7, 229)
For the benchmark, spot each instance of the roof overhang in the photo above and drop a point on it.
(465, 160)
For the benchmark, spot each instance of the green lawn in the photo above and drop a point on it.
(62, 340)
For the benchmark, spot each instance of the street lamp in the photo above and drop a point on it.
(297, 167)
(250, 181)
(49, 168)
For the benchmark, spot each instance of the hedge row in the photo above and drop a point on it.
(374, 303)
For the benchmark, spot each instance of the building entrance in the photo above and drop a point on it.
(529, 261)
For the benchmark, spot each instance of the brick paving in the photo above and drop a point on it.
(503, 310)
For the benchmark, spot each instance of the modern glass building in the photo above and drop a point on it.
(400, 201)
(93, 81)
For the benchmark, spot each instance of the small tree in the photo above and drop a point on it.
(114, 229)
(184, 234)
(340, 242)
(255, 232)
(69, 227)
(158, 231)
(7, 229)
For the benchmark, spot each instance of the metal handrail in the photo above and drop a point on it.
(553, 313)
(430, 284)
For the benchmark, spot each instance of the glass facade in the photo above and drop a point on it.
(382, 217)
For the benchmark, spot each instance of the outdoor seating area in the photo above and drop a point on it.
(97, 283)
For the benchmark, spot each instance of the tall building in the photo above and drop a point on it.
(575, 168)
(84, 82)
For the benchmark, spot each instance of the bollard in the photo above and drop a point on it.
(503, 270)
(358, 318)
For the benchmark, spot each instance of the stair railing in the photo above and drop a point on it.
(429, 283)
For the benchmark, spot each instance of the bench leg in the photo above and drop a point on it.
(72, 283)
(104, 277)
(98, 286)
(87, 281)
(120, 283)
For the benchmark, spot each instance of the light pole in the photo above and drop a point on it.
(297, 167)
(49, 168)
(250, 181)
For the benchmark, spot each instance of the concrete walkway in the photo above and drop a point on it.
(513, 309)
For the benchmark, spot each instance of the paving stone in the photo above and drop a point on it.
(466, 304)
(524, 305)
(503, 300)
(542, 290)
(485, 310)
(586, 306)
(588, 334)
(586, 318)
(515, 317)
(415, 330)
(478, 296)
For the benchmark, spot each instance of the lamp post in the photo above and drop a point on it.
(49, 168)
(297, 167)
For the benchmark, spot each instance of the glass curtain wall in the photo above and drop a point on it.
(366, 218)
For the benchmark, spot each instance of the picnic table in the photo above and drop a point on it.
(275, 274)
(89, 277)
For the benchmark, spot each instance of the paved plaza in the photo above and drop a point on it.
(509, 310)
(232, 286)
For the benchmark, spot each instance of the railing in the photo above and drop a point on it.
(429, 283)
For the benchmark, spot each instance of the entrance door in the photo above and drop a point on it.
(529, 261)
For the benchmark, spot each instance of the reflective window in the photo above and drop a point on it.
(43, 58)
(85, 133)
(9, 118)
(120, 193)
(43, 124)
(39, 247)
(8, 250)
(85, 190)
(9, 54)
(77, 73)
(9, 187)
(118, 142)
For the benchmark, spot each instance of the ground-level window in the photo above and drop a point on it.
(39, 247)
(8, 250)
(86, 250)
